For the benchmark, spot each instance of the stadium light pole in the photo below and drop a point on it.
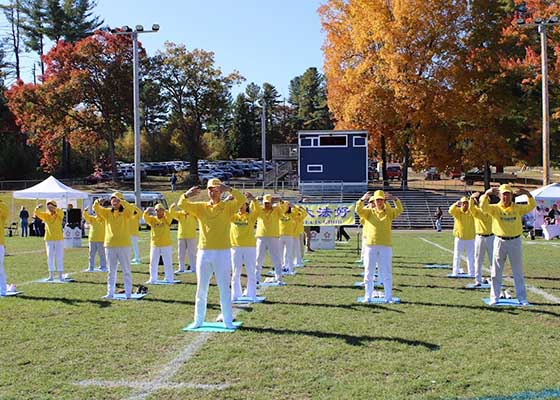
(263, 144)
(126, 30)
(541, 26)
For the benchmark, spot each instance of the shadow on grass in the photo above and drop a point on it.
(514, 310)
(333, 286)
(353, 307)
(352, 340)
(71, 302)
(543, 278)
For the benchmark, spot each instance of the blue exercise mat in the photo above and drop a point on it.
(359, 284)
(482, 286)
(95, 270)
(217, 327)
(122, 296)
(136, 263)
(272, 284)
(8, 294)
(249, 300)
(437, 266)
(163, 282)
(460, 276)
(378, 300)
(46, 280)
(184, 272)
(506, 302)
(358, 262)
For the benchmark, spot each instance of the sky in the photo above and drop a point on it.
(265, 40)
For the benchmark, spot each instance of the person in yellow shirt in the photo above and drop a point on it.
(268, 234)
(96, 239)
(214, 244)
(484, 240)
(53, 237)
(243, 249)
(117, 240)
(186, 238)
(160, 242)
(299, 235)
(287, 229)
(378, 222)
(463, 230)
(134, 227)
(3, 217)
(507, 228)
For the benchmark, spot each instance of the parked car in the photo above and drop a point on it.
(432, 174)
(454, 173)
(394, 172)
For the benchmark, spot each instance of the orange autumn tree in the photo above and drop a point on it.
(85, 99)
(389, 68)
(453, 82)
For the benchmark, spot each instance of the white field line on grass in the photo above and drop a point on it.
(162, 380)
(533, 289)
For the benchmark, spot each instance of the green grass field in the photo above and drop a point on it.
(309, 340)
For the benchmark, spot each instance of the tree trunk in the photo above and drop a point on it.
(384, 176)
(406, 162)
(487, 175)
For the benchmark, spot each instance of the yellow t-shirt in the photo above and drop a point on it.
(506, 221)
(53, 224)
(268, 221)
(299, 214)
(242, 230)
(3, 217)
(117, 224)
(482, 221)
(186, 223)
(377, 224)
(134, 221)
(300, 225)
(96, 227)
(463, 225)
(214, 220)
(160, 233)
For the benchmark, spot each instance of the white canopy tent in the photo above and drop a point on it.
(545, 197)
(51, 189)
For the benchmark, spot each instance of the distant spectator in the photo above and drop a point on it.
(552, 215)
(340, 232)
(173, 181)
(438, 215)
(24, 218)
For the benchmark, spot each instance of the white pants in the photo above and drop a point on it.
(299, 249)
(184, 247)
(97, 248)
(482, 244)
(383, 256)
(55, 255)
(287, 246)
(364, 245)
(210, 262)
(240, 256)
(272, 244)
(504, 249)
(135, 249)
(2, 272)
(115, 256)
(468, 246)
(166, 253)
